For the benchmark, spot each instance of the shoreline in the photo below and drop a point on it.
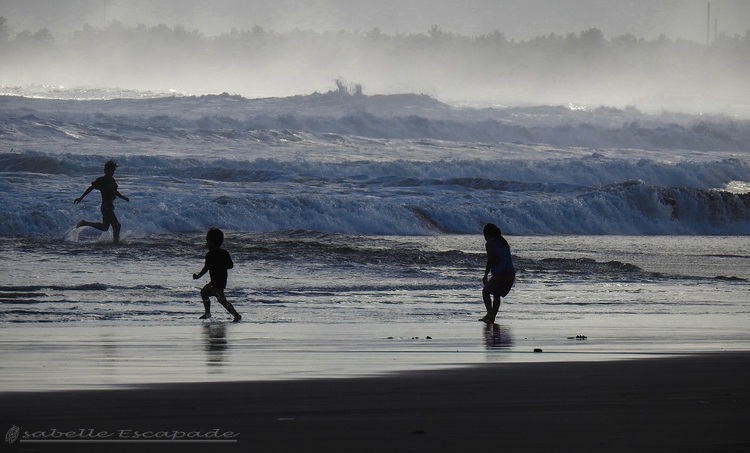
(52, 358)
(687, 403)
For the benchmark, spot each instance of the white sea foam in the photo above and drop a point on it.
(341, 163)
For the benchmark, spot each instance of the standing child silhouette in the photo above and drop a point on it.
(218, 261)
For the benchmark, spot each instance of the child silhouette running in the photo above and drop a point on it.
(218, 261)
(108, 187)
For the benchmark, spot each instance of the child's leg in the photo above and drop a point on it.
(487, 301)
(206, 292)
(109, 218)
(487, 292)
(495, 308)
(98, 226)
(498, 287)
(229, 307)
(105, 223)
(116, 231)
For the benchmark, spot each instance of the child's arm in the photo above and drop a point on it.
(489, 263)
(88, 191)
(117, 192)
(201, 273)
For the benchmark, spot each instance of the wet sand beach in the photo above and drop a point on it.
(695, 403)
(678, 402)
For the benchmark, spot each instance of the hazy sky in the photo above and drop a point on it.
(518, 19)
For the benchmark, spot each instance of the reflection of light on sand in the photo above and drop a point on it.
(215, 337)
(86, 357)
(497, 336)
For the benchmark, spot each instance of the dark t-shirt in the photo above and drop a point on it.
(499, 258)
(218, 261)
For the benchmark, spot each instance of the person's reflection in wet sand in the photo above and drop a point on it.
(215, 336)
(497, 336)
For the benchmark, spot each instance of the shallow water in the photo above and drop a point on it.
(83, 313)
(301, 277)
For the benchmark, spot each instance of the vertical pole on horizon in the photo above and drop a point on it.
(104, 14)
(708, 25)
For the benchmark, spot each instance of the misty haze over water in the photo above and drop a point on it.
(459, 56)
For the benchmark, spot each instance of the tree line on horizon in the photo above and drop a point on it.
(179, 34)
(551, 61)
(588, 39)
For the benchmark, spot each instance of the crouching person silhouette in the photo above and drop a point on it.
(218, 261)
(499, 273)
